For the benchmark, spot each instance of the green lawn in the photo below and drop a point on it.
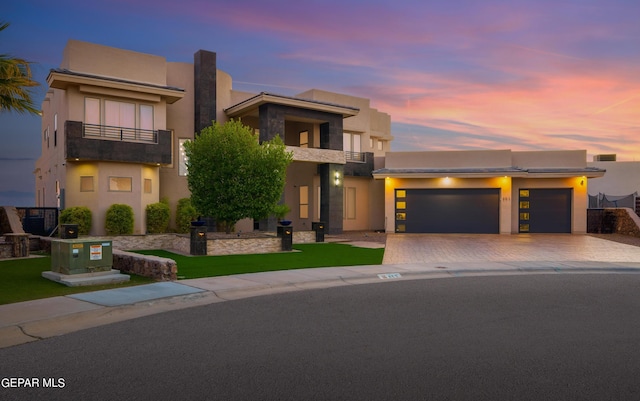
(21, 280)
(308, 255)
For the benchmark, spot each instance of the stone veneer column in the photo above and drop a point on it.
(204, 76)
(331, 197)
(331, 134)
(271, 122)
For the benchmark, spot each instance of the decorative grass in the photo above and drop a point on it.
(22, 281)
(304, 256)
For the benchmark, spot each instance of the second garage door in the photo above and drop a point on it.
(473, 211)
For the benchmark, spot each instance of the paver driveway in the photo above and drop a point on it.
(443, 248)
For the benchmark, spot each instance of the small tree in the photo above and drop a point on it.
(119, 219)
(232, 176)
(80, 215)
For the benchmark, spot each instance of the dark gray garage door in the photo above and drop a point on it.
(545, 210)
(474, 211)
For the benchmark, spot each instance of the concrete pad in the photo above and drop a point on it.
(77, 280)
(132, 295)
(18, 313)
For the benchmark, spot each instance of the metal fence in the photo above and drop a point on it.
(38, 220)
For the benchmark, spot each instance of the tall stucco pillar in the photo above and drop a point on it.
(331, 196)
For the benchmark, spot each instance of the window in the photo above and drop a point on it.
(118, 114)
(304, 202)
(86, 184)
(92, 111)
(371, 143)
(351, 142)
(146, 117)
(182, 158)
(55, 130)
(349, 203)
(380, 145)
(304, 139)
(147, 186)
(120, 184)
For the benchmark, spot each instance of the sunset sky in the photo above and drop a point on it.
(459, 74)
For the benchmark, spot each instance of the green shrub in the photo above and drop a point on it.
(158, 215)
(119, 219)
(185, 214)
(80, 215)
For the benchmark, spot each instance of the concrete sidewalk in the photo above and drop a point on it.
(35, 320)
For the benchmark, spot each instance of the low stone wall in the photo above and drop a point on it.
(243, 246)
(622, 220)
(157, 268)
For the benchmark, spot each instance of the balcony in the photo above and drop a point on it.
(104, 143)
(119, 133)
(355, 157)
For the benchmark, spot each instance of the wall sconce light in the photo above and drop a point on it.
(581, 182)
(336, 176)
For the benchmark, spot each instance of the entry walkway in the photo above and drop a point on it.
(407, 257)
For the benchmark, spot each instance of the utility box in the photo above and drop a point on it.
(69, 231)
(78, 256)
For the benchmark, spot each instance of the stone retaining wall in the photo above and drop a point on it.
(622, 220)
(157, 268)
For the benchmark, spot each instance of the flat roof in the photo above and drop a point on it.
(254, 102)
(589, 172)
(61, 78)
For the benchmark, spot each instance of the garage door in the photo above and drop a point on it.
(474, 211)
(545, 210)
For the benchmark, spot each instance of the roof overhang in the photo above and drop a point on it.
(251, 105)
(515, 172)
(62, 79)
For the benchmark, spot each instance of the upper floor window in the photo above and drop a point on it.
(118, 114)
(304, 139)
(380, 145)
(351, 142)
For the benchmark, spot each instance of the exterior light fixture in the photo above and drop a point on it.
(336, 176)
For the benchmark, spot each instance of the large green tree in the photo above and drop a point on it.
(16, 83)
(232, 176)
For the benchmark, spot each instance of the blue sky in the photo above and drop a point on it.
(494, 74)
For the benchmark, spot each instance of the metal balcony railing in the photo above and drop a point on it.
(358, 157)
(119, 133)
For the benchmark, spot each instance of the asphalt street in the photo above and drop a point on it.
(523, 337)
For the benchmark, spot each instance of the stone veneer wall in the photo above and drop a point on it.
(160, 269)
(627, 222)
(163, 269)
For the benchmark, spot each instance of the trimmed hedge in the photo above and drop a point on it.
(185, 214)
(158, 215)
(80, 215)
(119, 219)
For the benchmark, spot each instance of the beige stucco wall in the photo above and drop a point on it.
(554, 158)
(113, 62)
(449, 159)
(621, 178)
(101, 198)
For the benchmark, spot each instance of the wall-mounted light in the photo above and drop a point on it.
(581, 182)
(447, 180)
(336, 177)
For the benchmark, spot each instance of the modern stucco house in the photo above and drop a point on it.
(114, 123)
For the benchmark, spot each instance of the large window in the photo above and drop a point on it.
(86, 184)
(351, 142)
(119, 114)
(120, 184)
(146, 117)
(304, 139)
(304, 202)
(92, 111)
